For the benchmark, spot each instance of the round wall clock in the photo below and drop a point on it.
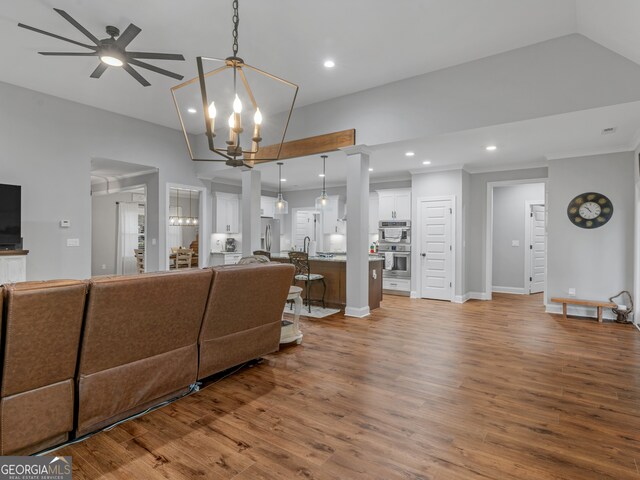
(590, 210)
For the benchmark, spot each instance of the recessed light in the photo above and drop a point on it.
(410, 154)
(427, 162)
(371, 169)
(283, 179)
(192, 110)
(491, 148)
(329, 64)
(321, 175)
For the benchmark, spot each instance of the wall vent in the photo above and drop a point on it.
(609, 130)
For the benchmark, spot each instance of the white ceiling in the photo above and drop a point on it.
(521, 144)
(373, 42)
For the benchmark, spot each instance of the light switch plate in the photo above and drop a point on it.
(572, 292)
(65, 223)
(73, 242)
(515, 243)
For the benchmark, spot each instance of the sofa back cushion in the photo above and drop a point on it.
(43, 325)
(130, 318)
(243, 315)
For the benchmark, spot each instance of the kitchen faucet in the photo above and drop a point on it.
(305, 244)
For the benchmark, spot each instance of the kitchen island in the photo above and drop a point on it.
(334, 270)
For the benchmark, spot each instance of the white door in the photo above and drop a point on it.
(537, 249)
(403, 206)
(386, 206)
(436, 249)
(233, 215)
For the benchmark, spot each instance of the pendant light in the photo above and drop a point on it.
(282, 206)
(323, 199)
(232, 89)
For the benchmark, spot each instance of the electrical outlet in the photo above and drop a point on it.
(73, 242)
(515, 243)
(103, 266)
(572, 292)
(153, 241)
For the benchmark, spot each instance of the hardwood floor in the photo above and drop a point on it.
(419, 390)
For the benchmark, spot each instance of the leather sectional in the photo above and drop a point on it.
(78, 356)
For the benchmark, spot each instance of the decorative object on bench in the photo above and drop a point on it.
(622, 310)
(590, 210)
(291, 330)
(584, 303)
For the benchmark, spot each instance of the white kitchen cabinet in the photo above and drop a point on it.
(13, 268)
(394, 204)
(267, 206)
(225, 258)
(227, 213)
(374, 217)
(396, 285)
(331, 223)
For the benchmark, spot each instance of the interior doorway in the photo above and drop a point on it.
(436, 248)
(185, 245)
(305, 222)
(120, 218)
(516, 238)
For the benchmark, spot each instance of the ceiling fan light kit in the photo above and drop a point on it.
(227, 88)
(111, 51)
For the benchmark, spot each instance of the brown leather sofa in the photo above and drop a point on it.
(43, 321)
(79, 356)
(243, 316)
(140, 343)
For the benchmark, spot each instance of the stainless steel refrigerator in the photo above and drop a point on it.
(270, 234)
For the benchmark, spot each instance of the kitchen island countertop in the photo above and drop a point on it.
(335, 258)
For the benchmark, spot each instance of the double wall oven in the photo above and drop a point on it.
(395, 245)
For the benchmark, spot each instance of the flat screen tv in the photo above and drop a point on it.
(10, 213)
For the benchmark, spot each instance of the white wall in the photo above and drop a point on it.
(47, 145)
(597, 263)
(509, 217)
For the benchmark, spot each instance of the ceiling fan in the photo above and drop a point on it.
(112, 51)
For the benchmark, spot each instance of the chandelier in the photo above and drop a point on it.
(231, 90)
(179, 220)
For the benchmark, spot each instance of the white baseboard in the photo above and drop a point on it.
(479, 296)
(580, 311)
(512, 290)
(461, 298)
(360, 312)
(414, 294)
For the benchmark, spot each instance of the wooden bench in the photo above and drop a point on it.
(584, 303)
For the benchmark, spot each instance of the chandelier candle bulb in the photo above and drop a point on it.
(257, 120)
(237, 110)
(232, 128)
(212, 115)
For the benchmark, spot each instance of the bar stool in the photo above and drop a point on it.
(300, 260)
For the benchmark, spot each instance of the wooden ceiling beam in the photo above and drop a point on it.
(329, 142)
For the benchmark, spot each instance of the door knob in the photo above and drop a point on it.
(423, 254)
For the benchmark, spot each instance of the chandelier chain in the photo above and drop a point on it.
(236, 22)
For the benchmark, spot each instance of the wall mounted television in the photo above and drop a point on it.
(10, 217)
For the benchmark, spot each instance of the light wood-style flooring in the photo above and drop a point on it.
(418, 390)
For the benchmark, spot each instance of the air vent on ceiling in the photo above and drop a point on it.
(609, 130)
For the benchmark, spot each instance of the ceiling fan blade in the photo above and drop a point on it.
(73, 22)
(136, 75)
(37, 30)
(153, 68)
(70, 54)
(97, 73)
(155, 56)
(128, 35)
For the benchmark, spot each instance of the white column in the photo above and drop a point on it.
(251, 189)
(357, 231)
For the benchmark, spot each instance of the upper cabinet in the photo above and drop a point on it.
(227, 213)
(394, 204)
(267, 206)
(331, 216)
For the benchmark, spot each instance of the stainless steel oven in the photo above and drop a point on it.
(394, 232)
(397, 260)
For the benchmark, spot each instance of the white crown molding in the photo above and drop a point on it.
(357, 149)
(592, 152)
(505, 168)
(437, 169)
